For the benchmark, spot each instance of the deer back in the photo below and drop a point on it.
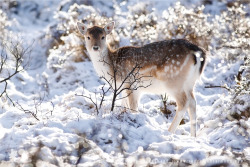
(159, 59)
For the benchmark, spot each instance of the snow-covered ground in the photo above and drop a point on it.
(68, 131)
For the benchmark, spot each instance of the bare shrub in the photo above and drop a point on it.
(121, 82)
(98, 99)
(118, 83)
(12, 62)
(36, 107)
(164, 109)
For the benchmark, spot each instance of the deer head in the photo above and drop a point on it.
(95, 37)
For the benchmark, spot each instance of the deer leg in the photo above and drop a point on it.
(125, 101)
(131, 99)
(192, 114)
(182, 106)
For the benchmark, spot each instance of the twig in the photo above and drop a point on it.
(126, 108)
(103, 95)
(53, 107)
(4, 90)
(91, 99)
(27, 111)
(36, 107)
(216, 86)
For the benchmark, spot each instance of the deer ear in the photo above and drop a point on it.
(109, 27)
(82, 28)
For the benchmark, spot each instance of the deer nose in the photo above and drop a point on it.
(95, 48)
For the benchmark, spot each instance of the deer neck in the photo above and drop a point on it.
(102, 62)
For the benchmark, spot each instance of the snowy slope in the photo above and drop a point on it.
(70, 132)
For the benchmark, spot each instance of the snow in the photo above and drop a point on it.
(69, 130)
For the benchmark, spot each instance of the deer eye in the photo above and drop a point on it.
(103, 37)
(88, 38)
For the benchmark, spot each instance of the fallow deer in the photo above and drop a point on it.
(174, 66)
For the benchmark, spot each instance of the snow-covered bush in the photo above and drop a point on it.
(192, 24)
(240, 107)
(231, 42)
(142, 24)
(146, 26)
(232, 33)
(3, 24)
(232, 39)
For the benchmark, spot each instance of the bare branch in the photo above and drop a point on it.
(20, 107)
(220, 86)
(104, 92)
(12, 52)
(37, 103)
(18, 52)
(131, 81)
(5, 87)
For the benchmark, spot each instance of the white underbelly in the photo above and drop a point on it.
(156, 86)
